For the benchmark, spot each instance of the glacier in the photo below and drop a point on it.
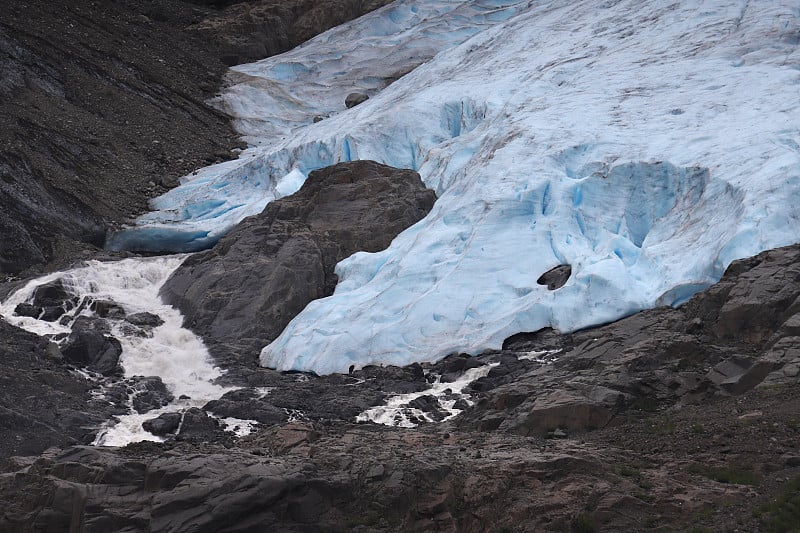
(646, 144)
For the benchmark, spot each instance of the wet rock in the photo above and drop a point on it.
(354, 99)
(244, 291)
(163, 425)
(51, 300)
(29, 310)
(107, 309)
(90, 345)
(197, 426)
(246, 407)
(555, 278)
(454, 367)
(150, 393)
(39, 397)
(429, 405)
(145, 320)
(53, 294)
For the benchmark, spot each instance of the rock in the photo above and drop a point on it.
(39, 397)
(429, 405)
(244, 291)
(53, 299)
(556, 277)
(198, 426)
(353, 99)
(237, 404)
(89, 345)
(107, 309)
(29, 310)
(165, 424)
(455, 366)
(256, 29)
(149, 393)
(72, 162)
(145, 319)
(564, 410)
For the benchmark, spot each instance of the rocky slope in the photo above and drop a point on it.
(669, 420)
(103, 106)
(241, 294)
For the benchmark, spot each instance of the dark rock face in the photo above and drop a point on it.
(101, 107)
(164, 424)
(90, 345)
(257, 29)
(353, 99)
(244, 291)
(150, 393)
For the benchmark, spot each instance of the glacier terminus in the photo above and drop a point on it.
(647, 144)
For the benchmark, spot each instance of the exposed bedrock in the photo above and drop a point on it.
(741, 333)
(244, 291)
(42, 402)
(252, 30)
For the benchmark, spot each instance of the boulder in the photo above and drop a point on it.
(90, 345)
(163, 425)
(145, 320)
(149, 393)
(244, 291)
(29, 310)
(353, 99)
(555, 278)
(198, 426)
(53, 299)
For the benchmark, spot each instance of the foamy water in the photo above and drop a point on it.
(173, 353)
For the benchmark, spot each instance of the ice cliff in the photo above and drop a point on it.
(647, 144)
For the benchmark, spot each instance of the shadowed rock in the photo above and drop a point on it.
(90, 345)
(246, 289)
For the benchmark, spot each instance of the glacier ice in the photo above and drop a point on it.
(647, 144)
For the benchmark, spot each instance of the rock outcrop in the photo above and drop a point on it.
(252, 30)
(42, 403)
(244, 291)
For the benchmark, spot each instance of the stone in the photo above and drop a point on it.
(145, 319)
(354, 99)
(107, 309)
(565, 410)
(29, 310)
(149, 393)
(89, 345)
(164, 424)
(243, 292)
(556, 277)
(198, 426)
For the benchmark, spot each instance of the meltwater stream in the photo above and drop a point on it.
(173, 353)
